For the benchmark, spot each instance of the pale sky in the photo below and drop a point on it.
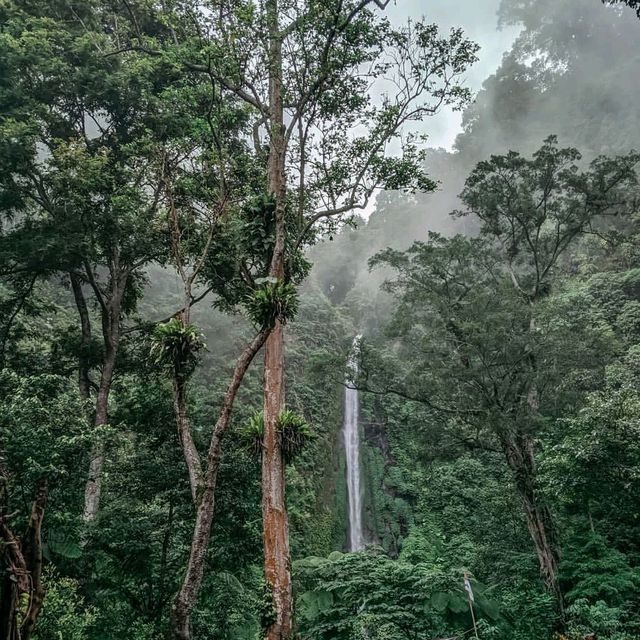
(479, 20)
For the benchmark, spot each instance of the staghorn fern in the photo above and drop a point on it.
(293, 434)
(272, 300)
(176, 347)
(253, 434)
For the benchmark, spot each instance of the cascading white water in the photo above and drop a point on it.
(351, 434)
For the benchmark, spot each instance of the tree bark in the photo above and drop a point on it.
(277, 562)
(84, 364)
(111, 309)
(519, 452)
(23, 570)
(187, 596)
(189, 449)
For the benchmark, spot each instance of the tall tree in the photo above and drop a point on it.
(486, 296)
(303, 72)
(315, 173)
(88, 157)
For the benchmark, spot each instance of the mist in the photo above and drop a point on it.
(320, 320)
(565, 68)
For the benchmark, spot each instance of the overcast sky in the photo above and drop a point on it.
(479, 20)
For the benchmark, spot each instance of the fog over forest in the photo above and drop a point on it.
(552, 68)
(320, 320)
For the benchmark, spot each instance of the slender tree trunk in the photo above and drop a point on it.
(191, 455)
(519, 452)
(540, 521)
(84, 364)
(15, 583)
(33, 559)
(22, 569)
(189, 449)
(187, 596)
(93, 487)
(277, 562)
(111, 311)
(111, 334)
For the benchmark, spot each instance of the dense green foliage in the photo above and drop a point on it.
(500, 366)
(370, 595)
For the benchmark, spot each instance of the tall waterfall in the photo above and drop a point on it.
(351, 435)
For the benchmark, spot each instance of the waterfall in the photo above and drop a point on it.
(351, 434)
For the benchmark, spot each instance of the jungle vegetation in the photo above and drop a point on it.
(201, 204)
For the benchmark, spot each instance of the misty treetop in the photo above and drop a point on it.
(201, 206)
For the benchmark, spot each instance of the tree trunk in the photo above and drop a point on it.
(22, 568)
(191, 455)
(93, 487)
(110, 312)
(84, 382)
(519, 452)
(277, 562)
(187, 596)
(33, 559)
(15, 583)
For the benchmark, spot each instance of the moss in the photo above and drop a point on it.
(267, 608)
(341, 521)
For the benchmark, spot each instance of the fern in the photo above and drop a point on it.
(293, 434)
(176, 347)
(272, 300)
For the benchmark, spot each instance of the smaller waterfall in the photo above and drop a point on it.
(351, 433)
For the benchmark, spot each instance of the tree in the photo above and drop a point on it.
(82, 181)
(314, 170)
(479, 306)
(333, 177)
(43, 434)
(633, 4)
